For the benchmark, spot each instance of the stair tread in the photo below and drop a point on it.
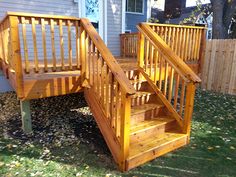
(150, 144)
(145, 107)
(147, 124)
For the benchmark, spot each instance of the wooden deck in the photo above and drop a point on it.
(143, 105)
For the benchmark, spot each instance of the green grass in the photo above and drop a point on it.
(212, 151)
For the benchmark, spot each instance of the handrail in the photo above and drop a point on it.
(172, 58)
(108, 57)
(23, 14)
(177, 26)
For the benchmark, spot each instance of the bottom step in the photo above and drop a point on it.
(151, 148)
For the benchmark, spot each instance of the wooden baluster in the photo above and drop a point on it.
(166, 77)
(3, 42)
(176, 90)
(141, 43)
(172, 43)
(169, 37)
(151, 59)
(146, 55)
(44, 45)
(171, 84)
(36, 67)
(99, 74)
(112, 103)
(186, 50)
(98, 89)
(77, 43)
(125, 128)
(182, 97)
(102, 82)
(198, 44)
(190, 45)
(156, 55)
(182, 55)
(180, 42)
(117, 94)
(70, 48)
(166, 32)
(160, 71)
(89, 58)
(16, 55)
(25, 44)
(108, 98)
(61, 44)
(54, 61)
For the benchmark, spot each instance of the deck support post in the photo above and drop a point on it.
(26, 116)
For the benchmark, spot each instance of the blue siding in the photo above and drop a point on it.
(132, 20)
(4, 85)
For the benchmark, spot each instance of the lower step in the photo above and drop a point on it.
(151, 148)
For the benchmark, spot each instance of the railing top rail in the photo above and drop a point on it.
(172, 58)
(23, 14)
(108, 57)
(177, 26)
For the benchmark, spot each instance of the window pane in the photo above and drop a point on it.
(139, 6)
(131, 6)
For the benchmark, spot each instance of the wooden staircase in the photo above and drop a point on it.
(153, 131)
(143, 108)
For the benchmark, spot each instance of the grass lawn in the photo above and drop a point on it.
(67, 142)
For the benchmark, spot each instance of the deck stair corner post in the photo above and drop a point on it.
(125, 129)
(202, 50)
(15, 55)
(83, 57)
(190, 93)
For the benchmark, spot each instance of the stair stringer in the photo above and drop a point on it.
(99, 115)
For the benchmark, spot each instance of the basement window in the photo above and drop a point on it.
(134, 6)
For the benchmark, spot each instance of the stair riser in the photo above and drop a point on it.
(154, 153)
(132, 74)
(139, 117)
(154, 131)
(140, 100)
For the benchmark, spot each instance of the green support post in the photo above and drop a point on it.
(26, 116)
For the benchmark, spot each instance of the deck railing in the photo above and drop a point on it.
(128, 44)
(187, 42)
(172, 79)
(109, 85)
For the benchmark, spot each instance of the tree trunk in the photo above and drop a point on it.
(219, 29)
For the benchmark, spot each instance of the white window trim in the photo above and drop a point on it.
(102, 17)
(123, 16)
(137, 13)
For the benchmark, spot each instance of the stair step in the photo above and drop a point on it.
(153, 147)
(149, 128)
(146, 111)
(141, 94)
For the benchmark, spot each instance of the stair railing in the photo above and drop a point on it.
(108, 83)
(168, 74)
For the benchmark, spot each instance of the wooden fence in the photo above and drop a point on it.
(219, 67)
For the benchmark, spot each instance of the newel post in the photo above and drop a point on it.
(190, 93)
(15, 55)
(125, 129)
(83, 57)
(202, 51)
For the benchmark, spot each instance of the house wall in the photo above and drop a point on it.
(132, 19)
(114, 25)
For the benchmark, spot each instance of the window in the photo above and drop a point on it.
(135, 6)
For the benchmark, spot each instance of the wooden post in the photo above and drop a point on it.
(26, 116)
(16, 55)
(190, 93)
(125, 128)
(140, 49)
(83, 58)
(202, 51)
